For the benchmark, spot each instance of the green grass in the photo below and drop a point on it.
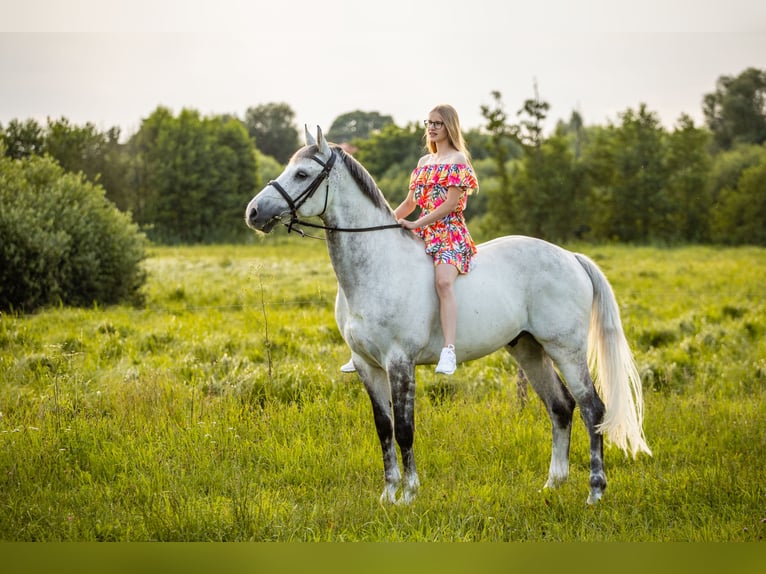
(217, 412)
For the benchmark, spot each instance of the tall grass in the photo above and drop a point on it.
(217, 412)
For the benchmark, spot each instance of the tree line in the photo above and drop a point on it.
(185, 178)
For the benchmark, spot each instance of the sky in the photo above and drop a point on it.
(112, 62)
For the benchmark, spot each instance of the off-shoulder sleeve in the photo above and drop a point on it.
(445, 175)
(461, 175)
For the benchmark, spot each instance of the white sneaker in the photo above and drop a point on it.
(447, 361)
(348, 367)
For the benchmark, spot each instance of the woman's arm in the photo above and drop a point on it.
(448, 206)
(405, 207)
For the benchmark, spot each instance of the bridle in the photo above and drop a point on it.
(306, 194)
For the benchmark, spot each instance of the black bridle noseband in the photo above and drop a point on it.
(306, 194)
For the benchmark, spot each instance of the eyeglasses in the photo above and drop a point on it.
(436, 125)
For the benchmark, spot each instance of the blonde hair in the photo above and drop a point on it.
(454, 133)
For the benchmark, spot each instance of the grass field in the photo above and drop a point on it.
(217, 412)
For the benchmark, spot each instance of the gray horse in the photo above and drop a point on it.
(553, 310)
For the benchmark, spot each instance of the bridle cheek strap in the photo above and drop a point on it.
(306, 194)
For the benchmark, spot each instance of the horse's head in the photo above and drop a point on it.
(292, 194)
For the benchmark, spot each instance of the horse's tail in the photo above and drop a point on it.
(615, 373)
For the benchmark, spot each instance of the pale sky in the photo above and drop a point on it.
(112, 62)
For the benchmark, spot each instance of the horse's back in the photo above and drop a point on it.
(528, 263)
(521, 246)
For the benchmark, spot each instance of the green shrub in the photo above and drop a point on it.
(62, 241)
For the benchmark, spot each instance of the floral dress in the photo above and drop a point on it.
(447, 240)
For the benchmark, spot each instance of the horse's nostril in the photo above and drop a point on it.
(252, 215)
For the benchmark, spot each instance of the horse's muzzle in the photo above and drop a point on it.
(252, 218)
(260, 222)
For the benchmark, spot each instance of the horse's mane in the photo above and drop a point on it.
(361, 176)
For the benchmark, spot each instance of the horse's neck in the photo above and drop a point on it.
(361, 259)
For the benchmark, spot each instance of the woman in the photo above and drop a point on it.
(439, 185)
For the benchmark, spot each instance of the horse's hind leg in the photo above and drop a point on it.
(379, 391)
(574, 366)
(558, 402)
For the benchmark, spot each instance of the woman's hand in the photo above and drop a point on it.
(407, 224)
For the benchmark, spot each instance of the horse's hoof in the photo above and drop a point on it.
(552, 483)
(388, 496)
(411, 487)
(407, 498)
(594, 497)
(597, 488)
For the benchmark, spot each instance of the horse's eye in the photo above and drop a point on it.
(301, 174)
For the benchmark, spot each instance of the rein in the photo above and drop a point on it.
(307, 193)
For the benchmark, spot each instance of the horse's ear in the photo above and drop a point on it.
(309, 138)
(324, 147)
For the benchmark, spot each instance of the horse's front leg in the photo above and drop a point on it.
(401, 377)
(379, 391)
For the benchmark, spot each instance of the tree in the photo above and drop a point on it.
(736, 111)
(389, 147)
(550, 192)
(234, 173)
(688, 164)
(502, 136)
(502, 144)
(728, 167)
(23, 139)
(193, 176)
(575, 131)
(143, 153)
(273, 129)
(740, 214)
(638, 206)
(77, 149)
(390, 155)
(536, 110)
(740, 206)
(98, 155)
(600, 177)
(357, 125)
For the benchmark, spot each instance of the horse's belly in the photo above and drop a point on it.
(488, 319)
